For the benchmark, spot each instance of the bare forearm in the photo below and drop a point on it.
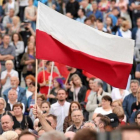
(3, 81)
(44, 123)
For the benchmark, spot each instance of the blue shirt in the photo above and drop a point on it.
(114, 19)
(127, 103)
(81, 19)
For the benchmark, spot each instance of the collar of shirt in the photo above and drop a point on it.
(75, 129)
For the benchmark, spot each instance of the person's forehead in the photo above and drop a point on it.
(5, 118)
(77, 112)
(61, 91)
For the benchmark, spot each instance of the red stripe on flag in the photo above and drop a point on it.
(113, 72)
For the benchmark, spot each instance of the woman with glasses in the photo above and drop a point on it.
(68, 120)
(21, 121)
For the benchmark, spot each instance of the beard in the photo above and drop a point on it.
(61, 100)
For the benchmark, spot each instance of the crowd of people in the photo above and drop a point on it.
(71, 104)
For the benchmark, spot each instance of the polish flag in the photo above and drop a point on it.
(64, 40)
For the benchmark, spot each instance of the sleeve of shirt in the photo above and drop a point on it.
(138, 68)
(13, 53)
(39, 79)
(96, 110)
(3, 75)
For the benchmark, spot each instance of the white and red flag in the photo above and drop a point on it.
(64, 40)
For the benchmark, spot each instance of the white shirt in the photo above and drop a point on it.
(8, 83)
(115, 94)
(102, 111)
(61, 112)
(125, 34)
(28, 94)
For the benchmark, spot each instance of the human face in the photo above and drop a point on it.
(80, 12)
(97, 121)
(17, 111)
(52, 121)
(94, 6)
(32, 88)
(134, 87)
(39, 101)
(27, 137)
(30, 46)
(15, 37)
(114, 104)
(91, 84)
(30, 2)
(95, 87)
(74, 106)
(77, 81)
(108, 21)
(28, 81)
(49, 66)
(9, 66)
(61, 95)
(11, 13)
(6, 40)
(12, 96)
(105, 104)
(77, 117)
(6, 123)
(14, 82)
(32, 39)
(1, 105)
(55, 83)
(137, 120)
(45, 107)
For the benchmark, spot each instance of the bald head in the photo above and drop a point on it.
(14, 82)
(7, 123)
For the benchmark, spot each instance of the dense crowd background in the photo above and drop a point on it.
(80, 105)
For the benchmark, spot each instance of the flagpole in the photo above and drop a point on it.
(50, 79)
(43, 71)
(36, 61)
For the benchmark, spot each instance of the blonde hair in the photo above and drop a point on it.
(137, 97)
(125, 25)
(10, 62)
(3, 102)
(16, 18)
(74, 76)
(10, 135)
(119, 112)
(117, 101)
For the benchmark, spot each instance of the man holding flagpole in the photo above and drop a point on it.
(44, 77)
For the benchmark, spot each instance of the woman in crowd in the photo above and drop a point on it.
(124, 30)
(116, 103)
(21, 121)
(16, 25)
(2, 106)
(68, 120)
(77, 91)
(5, 75)
(136, 105)
(45, 108)
(28, 80)
(119, 94)
(58, 84)
(106, 107)
(109, 24)
(40, 99)
(19, 49)
(28, 61)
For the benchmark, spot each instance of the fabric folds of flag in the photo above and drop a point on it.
(61, 39)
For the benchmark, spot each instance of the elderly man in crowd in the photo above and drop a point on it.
(7, 52)
(12, 99)
(7, 123)
(94, 99)
(77, 118)
(21, 92)
(7, 74)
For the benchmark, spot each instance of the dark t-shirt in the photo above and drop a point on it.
(136, 12)
(135, 107)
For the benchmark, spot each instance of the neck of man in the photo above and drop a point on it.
(5, 45)
(15, 88)
(12, 102)
(78, 125)
(61, 102)
(94, 10)
(134, 94)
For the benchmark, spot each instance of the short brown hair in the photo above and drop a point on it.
(26, 133)
(105, 120)
(135, 81)
(107, 98)
(46, 103)
(18, 104)
(85, 134)
(53, 116)
(42, 96)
